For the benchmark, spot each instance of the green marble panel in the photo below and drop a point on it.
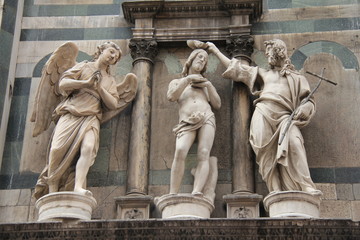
(102, 161)
(17, 118)
(9, 18)
(22, 86)
(105, 137)
(39, 66)
(276, 4)
(11, 157)
(5, 49)
(347, 57)
(312, 3)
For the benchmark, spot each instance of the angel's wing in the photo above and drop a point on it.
(48, 95)
(127, 92)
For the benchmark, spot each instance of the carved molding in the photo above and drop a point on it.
(160, 9)
(143, 49)
(174, 21)
(243, 212)
(189, 229)
(134, 213)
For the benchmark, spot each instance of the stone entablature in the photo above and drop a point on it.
(169, 21)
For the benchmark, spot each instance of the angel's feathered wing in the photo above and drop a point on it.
(48, 95)
(127, 92)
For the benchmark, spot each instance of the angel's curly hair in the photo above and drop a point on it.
(105, 45)
(189, 61)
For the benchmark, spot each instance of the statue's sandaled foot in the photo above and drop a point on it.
(198, 194)
(312, 191)
(83, 192)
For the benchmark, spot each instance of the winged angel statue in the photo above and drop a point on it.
(78, 97)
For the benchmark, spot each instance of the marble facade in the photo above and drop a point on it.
(314, 39)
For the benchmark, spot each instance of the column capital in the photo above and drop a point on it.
(240, 46)
(143, 49)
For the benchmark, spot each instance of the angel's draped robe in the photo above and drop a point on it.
(288, 161)
(80, 112)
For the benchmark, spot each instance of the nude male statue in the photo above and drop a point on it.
(196, 96)
(280, 90)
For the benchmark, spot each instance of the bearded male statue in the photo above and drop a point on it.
(280, 91)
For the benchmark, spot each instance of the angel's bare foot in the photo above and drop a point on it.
(83, 192)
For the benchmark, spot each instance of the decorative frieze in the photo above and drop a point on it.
(172, 21)
(187, 229)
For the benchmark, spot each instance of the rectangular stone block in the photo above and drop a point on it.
(9, 197)
(356, 190)
(335, 209)
(344, 192)
(328, 190)
(355, 210)
(14, 214)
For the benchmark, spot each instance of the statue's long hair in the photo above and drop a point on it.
(102, 47)
(189, 61)
(280, 50)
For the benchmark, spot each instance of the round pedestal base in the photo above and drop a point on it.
(65, 206)
(293, 204)
(184, 206)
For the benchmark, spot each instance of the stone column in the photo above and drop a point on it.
(243, 202)
(136, 203)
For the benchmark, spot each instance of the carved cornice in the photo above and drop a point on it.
(240, 46)
(162, 9)
(143, 49)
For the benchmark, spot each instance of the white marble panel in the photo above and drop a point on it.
(73, 22)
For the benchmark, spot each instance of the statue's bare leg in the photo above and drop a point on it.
(206, 136)
(84, 162)
(183, 145)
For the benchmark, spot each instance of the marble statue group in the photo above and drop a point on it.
(79, 97)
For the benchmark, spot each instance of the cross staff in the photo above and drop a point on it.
(305, 101)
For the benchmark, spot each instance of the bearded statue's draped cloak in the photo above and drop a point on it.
(286, 161)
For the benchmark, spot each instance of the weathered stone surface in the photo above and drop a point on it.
(65, 206)
(355, 210)
(335, 209)
(293, 204)
(9, 197)
(14, 214)
(328, 190)
(187, 229)
(344, 192)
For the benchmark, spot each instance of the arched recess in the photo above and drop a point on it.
(39, 66)
(345, 55)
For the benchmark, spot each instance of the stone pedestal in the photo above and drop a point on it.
(133, 207)
(65, 207)
(184, 205)
(242, 205)
(293, 204)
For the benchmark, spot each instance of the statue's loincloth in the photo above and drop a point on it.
(194, 122)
